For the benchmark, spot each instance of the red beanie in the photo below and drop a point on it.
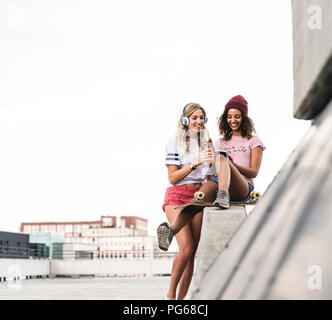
(238, 102)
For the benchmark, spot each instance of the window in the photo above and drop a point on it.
(68, 228)
(6, 247)
(26, 252)
(45, 228)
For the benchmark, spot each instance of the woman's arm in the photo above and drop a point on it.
(175, 174)
(255, 163)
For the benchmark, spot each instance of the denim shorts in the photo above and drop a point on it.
(251, 188)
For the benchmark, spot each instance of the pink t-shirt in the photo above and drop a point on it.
(239, 149)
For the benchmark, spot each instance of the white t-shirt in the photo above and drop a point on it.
(176, 155)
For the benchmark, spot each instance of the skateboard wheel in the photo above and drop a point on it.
(199, 195)
(255, 195)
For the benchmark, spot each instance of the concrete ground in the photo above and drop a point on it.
(148, 288)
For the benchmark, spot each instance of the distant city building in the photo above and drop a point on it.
(113, 237)
(74, 251)
(46, 238)
(14, 245)
(118, 226)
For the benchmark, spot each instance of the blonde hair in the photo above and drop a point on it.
(182, 131)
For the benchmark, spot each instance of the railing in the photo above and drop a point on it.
(13, 252)
(41, 251)
(100, 254)
(162, 254)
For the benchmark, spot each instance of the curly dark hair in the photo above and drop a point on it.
(247, 126)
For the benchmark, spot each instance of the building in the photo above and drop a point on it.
(111, 236)
(73, 251)
(14, 245)
(72, 231)
(46, 238)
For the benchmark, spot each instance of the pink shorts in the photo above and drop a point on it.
(177, 195)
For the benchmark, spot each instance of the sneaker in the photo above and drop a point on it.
(222, 200)
(165, 236)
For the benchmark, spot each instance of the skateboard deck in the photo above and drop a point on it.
(198, 203)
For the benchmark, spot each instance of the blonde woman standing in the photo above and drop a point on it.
(187, 165)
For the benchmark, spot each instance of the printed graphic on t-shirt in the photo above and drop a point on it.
(234, 149)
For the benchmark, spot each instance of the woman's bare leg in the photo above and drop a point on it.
(181, 220)
(238, 188)
(185, 242)
(210, 189)
(224, 174)
(231, 180)
(196, 225)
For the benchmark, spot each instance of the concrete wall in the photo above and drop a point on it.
(312, 62)
(112, 267)
(22, 268)
(218, 228)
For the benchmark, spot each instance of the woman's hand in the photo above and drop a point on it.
(205, 156)
(230, 158)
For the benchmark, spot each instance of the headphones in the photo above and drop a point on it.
(185, 120)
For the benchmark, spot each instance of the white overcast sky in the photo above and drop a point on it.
(91, 90)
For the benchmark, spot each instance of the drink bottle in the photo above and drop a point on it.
(210, 151)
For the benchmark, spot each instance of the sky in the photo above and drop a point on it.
(90, 92)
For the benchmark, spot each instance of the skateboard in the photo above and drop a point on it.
(198, 203)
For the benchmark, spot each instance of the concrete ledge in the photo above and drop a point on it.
(218, 228)
(125, 267)
(23, 268)
(312, 60)
(26, 268)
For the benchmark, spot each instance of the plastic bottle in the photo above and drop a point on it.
(210, 151)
